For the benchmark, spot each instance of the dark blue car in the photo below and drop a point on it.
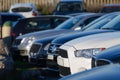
(109, 72)
(109, 56)
(65, 7)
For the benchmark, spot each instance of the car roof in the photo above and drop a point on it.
(75, 14)
(46, 16)
(84, 14)
(108, 5)
(22, 5)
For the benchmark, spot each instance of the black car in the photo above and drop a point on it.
(90, 29)
(108, 56)
(108, 72)
(33, 24)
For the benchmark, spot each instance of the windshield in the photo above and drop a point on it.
(22, 9)
(98, 23)
(114, 24)
(69, 7)
(69, 23)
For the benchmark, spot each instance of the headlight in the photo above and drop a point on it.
(88, 53)
(31, 39)
(28, 40)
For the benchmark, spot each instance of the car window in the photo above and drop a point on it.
(98, 23)
(89, 20)
(58, 21)
(69, 23)
(69, 6)
(22, 9)
(38, 24)
(114, 24)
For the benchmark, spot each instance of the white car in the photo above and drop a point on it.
(75, 55)
(26, 9)
(69, 60)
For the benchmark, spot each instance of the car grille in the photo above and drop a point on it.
(17, 42)
(62, 53)
(34, 51)
(35, 48)
(53, 48)
(102, 62)
(64, 71)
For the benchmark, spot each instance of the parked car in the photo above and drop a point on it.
(94, 27)
(108, 56)
(108, 8)
(33, 24)
(65, 7)
(75, 55)
(109, 72)
(23, 43)
(39, 55)
(25, 9)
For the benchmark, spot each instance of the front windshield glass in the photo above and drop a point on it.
(22, 9)
(98, 23)
(70, 23)
(114, 24)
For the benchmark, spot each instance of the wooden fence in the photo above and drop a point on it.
(5, 4)
(91, 5)
(96, 5)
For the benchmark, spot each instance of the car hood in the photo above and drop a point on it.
(112, 54)
(64, 38)
(45, 33)
(102, 40)
(45, 41)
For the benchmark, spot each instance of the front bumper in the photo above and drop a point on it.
(64, 71)
(17, 52)
(67, 59)
(52, 62)
(38, 61)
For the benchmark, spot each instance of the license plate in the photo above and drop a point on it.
(50, 57)
(60, 61)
